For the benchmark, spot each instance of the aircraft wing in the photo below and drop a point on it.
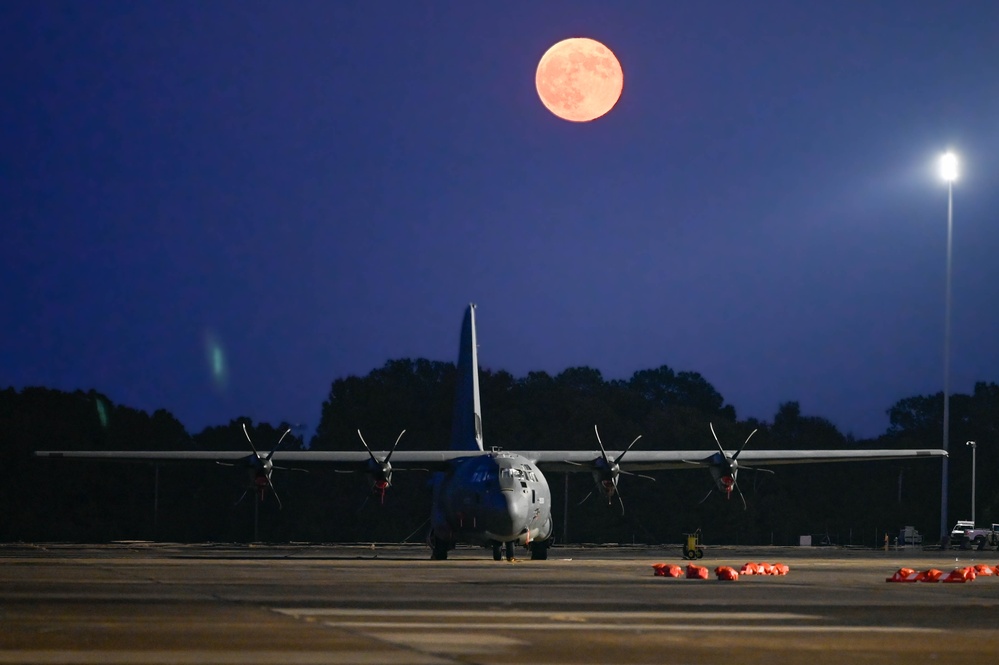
(659, 460)
(336, 459)
(546, 460)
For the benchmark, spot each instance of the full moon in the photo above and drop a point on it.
(579, 79)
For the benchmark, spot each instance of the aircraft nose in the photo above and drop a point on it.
(509, 515)
(517, 509)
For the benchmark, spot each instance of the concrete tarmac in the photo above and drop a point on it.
(155, 603)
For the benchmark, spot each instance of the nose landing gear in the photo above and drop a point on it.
(498, 550)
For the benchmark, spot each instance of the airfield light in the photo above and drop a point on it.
(974, 450)
(948, 170)
(948, 166)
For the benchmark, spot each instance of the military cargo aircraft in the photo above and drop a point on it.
(495, 497)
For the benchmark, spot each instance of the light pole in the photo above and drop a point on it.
(974, 450)
(948, 171)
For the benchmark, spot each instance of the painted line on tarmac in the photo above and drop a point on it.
(322, 612)
(204, 657)
(753, 622)
(676, 627)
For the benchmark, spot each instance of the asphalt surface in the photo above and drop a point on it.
(311, 604)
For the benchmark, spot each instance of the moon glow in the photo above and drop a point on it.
(579, 79)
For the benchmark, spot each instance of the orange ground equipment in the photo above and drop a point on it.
(726, 573)
(667, 570)
(751, 568)
(695, 572)
(693, 549)
(904, 575)
(959, 575)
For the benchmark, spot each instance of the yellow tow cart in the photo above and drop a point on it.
(693, 549)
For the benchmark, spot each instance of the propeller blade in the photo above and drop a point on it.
(370, 454)
(585, 498)
(389, 456)
(736, 455)
(620, 501)
(710, 492)
(758, 469)
(274, 492)
(741, 497)
(601, 443)
(720, 449)
(638, 475)
(252, 447)
(621, 456)
(271, 454)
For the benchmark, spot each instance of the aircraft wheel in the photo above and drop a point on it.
(497, 551)
(539, 550)
(438, 548)
(509, 551)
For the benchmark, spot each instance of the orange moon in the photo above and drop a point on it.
(579, 79)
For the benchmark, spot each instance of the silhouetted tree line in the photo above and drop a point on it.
(852, 503)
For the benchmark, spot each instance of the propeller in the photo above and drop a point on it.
(261, 467)
(726, 471)
(380, 470)
(606, 471)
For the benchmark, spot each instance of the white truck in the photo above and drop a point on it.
(908, 535)
(966, 535)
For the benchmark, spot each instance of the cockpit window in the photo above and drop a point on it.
(484, 476)
(511, 473)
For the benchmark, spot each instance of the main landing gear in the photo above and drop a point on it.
(438, 548)
(539, 550)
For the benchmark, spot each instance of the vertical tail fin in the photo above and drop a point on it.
(466, 428)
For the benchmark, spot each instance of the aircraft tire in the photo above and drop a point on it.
(438, 548)
(539, 550)
(497, 551)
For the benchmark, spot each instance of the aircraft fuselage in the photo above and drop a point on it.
(489, 498)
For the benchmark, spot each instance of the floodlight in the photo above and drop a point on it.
(948, 166)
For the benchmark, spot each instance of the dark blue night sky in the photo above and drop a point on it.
(218, 208)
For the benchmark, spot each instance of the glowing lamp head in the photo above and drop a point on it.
(948, 166)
